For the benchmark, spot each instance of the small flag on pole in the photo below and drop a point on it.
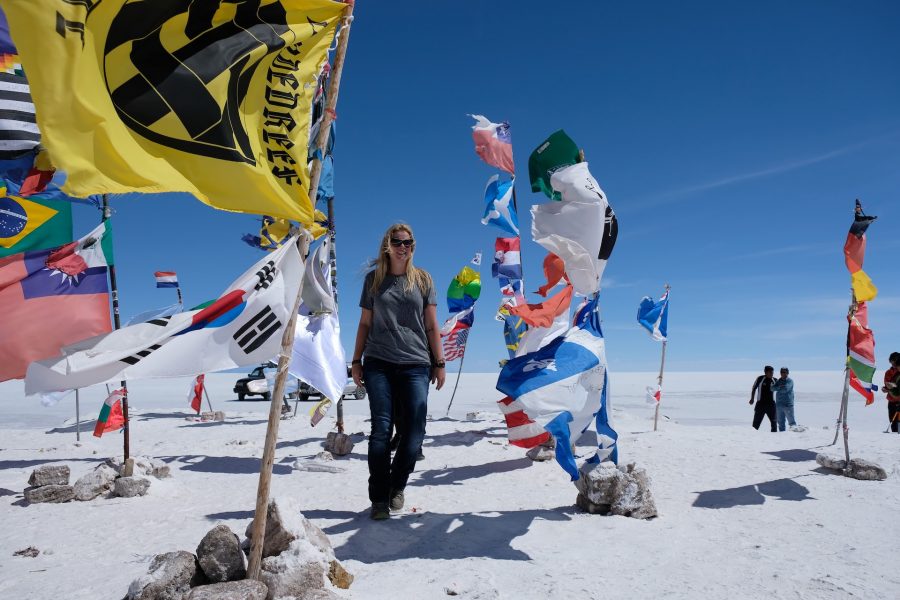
(166, 279)
(195, 396)
(654, 316)
(476, 260)
(111, 417)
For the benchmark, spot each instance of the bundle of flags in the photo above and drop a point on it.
(493, 144)
(462, 293)
(233, 132)
(563, 388)
(654, 316)
(860, 339)
(240, 328)
(52, 298)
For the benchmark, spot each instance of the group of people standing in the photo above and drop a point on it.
(774, 399)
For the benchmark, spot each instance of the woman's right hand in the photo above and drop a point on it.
(357, 373)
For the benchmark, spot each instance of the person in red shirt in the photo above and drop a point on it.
(892, 389)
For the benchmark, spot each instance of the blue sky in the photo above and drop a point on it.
(730, 138)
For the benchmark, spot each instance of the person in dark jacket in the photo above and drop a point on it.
(765, 404)
(892, 389)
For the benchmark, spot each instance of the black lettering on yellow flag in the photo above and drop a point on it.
(210, 97)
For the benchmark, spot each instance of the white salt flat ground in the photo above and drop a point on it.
(743, 513)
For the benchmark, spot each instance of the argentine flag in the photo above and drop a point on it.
(563, 387)
(654, 316)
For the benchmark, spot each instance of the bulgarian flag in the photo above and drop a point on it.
(111, 417)
(861, 353)
(195, 396)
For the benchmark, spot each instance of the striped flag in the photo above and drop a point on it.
(166, 279)
(454, 343)
(521, 429)
(111, 417)
(18, 127)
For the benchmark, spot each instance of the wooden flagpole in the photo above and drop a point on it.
(662, 365)
(287, 341)
(107, 213)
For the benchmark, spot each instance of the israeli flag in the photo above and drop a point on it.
(654, 316)
(563, 387)
(498, 210)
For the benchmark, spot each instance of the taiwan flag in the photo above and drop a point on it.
(52, 298)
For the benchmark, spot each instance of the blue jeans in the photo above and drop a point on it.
(405, 388)
(784, 410)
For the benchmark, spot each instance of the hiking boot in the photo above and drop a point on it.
(380, 511)
(397, 500)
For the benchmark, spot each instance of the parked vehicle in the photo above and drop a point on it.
(351, 390)
(256, 383)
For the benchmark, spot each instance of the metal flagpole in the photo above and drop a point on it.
(662, 365)
(458, 373)
(205, 393)
(107, 213)
(258, 526)
(77, 417)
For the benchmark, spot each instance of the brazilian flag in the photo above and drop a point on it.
(33, 224)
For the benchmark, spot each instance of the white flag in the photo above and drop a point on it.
(242, 327)
(581, 229)
(318, 357)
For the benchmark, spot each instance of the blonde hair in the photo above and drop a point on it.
(415, 277)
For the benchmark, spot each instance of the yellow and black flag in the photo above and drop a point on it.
(210, 97)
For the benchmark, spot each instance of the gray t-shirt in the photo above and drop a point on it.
(397, 334)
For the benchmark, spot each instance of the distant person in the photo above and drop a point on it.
(892, 389)
(765, 404)
(784, 400)
(398, 335)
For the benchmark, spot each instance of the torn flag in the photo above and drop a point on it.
(493, 143)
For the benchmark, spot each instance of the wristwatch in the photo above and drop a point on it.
(440, 364)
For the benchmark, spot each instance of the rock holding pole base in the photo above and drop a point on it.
(857, 469)
(541, 453)
(247, 589)
(605, 489)
(338, 444)
(170, 577)
(128, 487)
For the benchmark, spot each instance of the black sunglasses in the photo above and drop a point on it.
(397, 242)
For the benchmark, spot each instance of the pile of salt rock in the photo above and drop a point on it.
(50, 483)
(298, 563)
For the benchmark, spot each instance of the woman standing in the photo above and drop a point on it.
(399, 336)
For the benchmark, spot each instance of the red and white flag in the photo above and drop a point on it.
(195, 396)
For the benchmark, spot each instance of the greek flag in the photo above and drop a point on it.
(654, 316)
(563, 387)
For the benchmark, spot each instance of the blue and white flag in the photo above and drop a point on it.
(563, 387)
(654, 316)
(498, 210)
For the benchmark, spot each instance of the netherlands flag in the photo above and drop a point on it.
(166, 279)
